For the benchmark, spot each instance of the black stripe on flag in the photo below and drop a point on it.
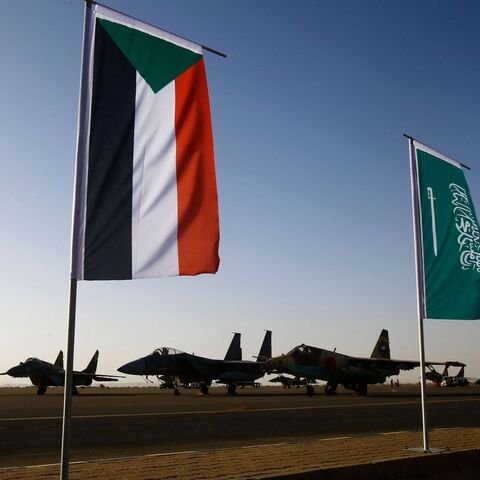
(108, 228)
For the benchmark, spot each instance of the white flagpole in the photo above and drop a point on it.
(417, 233)
(82, 134)
(68, 384)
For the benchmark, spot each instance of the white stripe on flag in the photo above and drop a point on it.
(154, 202)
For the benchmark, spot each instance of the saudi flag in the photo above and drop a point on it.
(145, 192)
(449, 237)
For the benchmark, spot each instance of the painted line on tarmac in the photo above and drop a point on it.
(394, 433)
(333, 438)
(237, 411)
(103, 460)
(261, 445)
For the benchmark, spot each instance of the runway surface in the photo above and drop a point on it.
(120, 422)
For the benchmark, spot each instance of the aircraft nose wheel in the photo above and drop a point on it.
(41, 390)
(310, 391)
(361, 389)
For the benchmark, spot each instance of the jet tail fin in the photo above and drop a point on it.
(382, 347)
(59, 360)
(266, 348)
(234, 352)
(92, 366)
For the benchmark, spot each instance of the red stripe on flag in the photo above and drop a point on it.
(198, 231)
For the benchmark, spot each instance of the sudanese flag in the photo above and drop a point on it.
(145, 192)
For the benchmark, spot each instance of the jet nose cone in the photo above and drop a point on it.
(137, 367)
(16, 372)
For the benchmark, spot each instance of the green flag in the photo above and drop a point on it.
(449, 237)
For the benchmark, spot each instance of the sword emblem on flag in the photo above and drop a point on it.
(434, 226)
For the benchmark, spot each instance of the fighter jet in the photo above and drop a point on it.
(234, 352)
(195, 369)
(44, 374)
(354, 373)
(445, 379)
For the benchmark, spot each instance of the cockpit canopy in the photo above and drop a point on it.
(32, 360)
(166, 351)
(301, 350)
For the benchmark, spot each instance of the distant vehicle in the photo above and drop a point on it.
(445, 379)
(289, 382)
(189, 368)
(354, 373)
(44, 374)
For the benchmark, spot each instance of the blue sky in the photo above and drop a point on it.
(308, 112)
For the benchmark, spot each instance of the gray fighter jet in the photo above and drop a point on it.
(194, 369)
(44, 374)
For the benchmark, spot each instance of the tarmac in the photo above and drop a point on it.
(264, 433)
(337, 458)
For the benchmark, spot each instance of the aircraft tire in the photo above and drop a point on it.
(361, 389)
(41, 390)
(310, 391)
(75, 391)
(330, 389)
(203, 389)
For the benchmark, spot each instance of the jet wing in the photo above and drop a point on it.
(387, 365)
(105, 378)
(99, 377)
(189, 368)
(244, 365)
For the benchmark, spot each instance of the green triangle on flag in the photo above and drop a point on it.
(158, 61)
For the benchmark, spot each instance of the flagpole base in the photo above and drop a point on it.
(428, 450)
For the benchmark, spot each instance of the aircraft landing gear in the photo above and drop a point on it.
(232, 389)
(204, 389)
(361, 389)
(41, 389)
(75, 390)
(330, 388)
(310, 391)
(176, 392)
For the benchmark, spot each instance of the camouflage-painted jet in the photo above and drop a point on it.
(44, 374)
(354, 373)
(194, 369)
